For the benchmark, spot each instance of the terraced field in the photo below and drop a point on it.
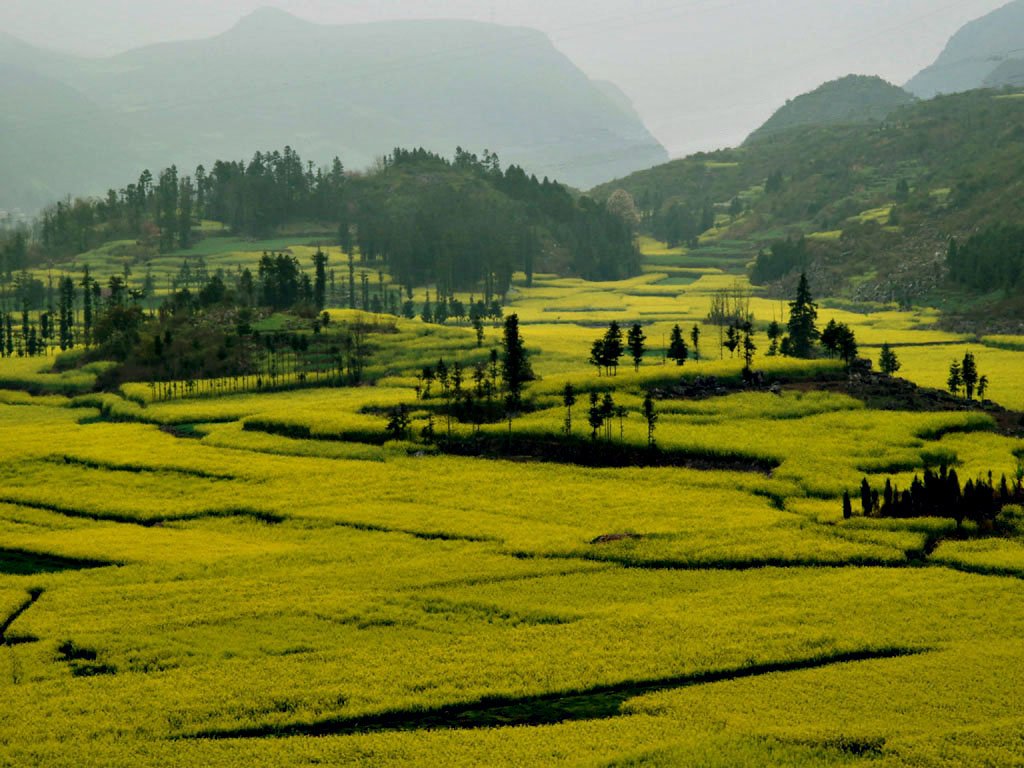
(267, 579)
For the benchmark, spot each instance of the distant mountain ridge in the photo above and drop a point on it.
(353, 91)
(851, 99)
(975, 54)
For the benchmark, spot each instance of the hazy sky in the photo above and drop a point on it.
(701, 73)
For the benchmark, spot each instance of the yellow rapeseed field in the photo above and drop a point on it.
(270, 579)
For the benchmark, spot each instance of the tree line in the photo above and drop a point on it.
(459, 224)
(989, 260)
(940, 494)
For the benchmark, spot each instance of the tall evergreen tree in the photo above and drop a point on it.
(695, 340)
(803, 313)
(515, 363)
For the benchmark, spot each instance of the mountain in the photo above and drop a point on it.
(353, 91)
(974, 53)
(869, 210)
(851, 99)
(1008, 74)
(54, 139)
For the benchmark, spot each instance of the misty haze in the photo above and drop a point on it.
(511, 383)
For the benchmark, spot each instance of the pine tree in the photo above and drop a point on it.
(607, 411)
(847, 507)
(594, 416)
(635, 339)
(830, 338)
(774, 333)
(87, 305)
(888, 363)
(515, 363)
(847, 343)
(597, 356)
(677, 347)
(749, 348)
(803, 313)
(969, 375)
(651, 417)
(695, 339)
(613, 346)
(568, 400)
(865, 497)
(955, 379)
(320, 281)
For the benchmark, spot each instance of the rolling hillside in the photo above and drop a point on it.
(878, 204)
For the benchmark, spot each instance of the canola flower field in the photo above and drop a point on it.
(189, 583)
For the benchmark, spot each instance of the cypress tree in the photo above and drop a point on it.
(677, 347)
(955, 379)
(969, 375)
(87, 305)
(320, 280)
(569, 400)
(865, 497)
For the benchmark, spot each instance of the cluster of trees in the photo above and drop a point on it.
(782, 257)
(940, 495)
(189, 354)
(839, 341)
(677, 349)
(679, 224)
(606, 351)
(964, 378)
(741, 337)
(989, 260)
(511, 367)
(603, 410)
(456, 223)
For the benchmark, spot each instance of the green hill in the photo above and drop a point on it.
(877, 204)
(851, 99)
(354, 91)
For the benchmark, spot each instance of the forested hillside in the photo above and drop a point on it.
(851, 99)
(460, 224)
(869, 210)
(273, 79)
